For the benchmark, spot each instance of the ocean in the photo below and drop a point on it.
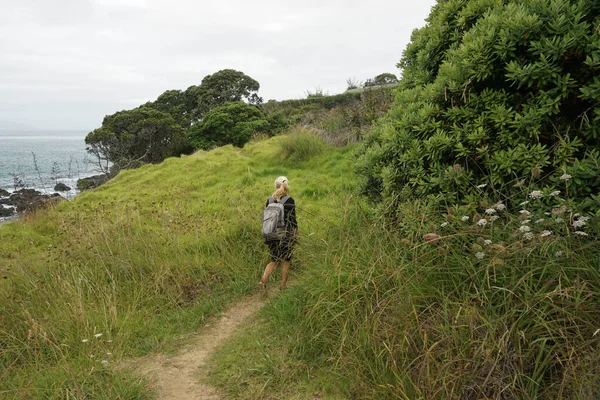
(60, 157)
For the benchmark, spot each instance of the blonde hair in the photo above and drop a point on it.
(282, 188)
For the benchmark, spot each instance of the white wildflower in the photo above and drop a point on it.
(525, 222)
(558, 254)
(555, 193)
(524, 212)
(494, 218)
(579, 223)
(464, 218)
(576, 215)
(581, 233)
(565, 177)
(539, 221)
(105, 363)
(528, 236)
(445, 224)
(545, 233)
(487, 242)
(490, 211)
(481, 186)
(482, 222)
(480, 255)
(559, 220)
(524, 228)
(536, 194)
(97, 335)
(500, 207)
(547, 214)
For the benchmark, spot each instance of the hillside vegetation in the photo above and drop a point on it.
(130, 267)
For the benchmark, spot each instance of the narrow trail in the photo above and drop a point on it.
(180, 376)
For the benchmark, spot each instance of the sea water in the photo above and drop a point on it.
(40, 159)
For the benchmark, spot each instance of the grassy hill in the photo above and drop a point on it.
(448, 301)
(127, 268)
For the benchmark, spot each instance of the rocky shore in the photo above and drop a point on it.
(25, 200)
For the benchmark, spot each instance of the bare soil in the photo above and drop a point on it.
(181, 376)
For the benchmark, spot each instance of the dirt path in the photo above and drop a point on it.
(180, 376)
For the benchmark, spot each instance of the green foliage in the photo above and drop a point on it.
(339, 119)
(231, 123)
(493, 92)
(141, 135)
(159, 129)
(226, 86)
(382, 79)
(327, 102)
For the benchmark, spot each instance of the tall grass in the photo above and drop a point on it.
(132, 266)
(429, 312)
(302, 144)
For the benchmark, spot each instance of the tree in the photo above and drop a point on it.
(226, 86)
(129, 138)
(231, 123)
(189, 106)
(493, 92)
(381, 79)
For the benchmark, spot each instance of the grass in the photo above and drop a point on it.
(142, 260)
(389, 315)
(301, 145)
(433, 307)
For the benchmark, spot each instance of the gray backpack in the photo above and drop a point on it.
(273, 221)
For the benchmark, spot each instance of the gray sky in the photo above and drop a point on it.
(65, 64)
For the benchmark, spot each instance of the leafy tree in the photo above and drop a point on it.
(189, 106)
(226, 86)
(493, 92)
(231, 123)
(141, 135)
(381, 79)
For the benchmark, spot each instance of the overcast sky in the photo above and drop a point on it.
(65, 64)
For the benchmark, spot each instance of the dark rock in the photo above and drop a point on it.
(29, 199)
(61, 187)
(92, 182)
(6, 212)
(4, 193)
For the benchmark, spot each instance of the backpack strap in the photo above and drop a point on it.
(282, 200)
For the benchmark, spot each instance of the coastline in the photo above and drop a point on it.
(41, 196)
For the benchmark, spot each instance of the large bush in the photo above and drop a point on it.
(494, 92)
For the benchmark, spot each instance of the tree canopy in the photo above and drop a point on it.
(230, 123)
(133, 137)
(226, 86)
(161, 128)
(381, 79)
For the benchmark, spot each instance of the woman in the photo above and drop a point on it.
(281, 250)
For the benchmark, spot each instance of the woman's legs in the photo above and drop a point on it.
(285, 268)
(268, 271)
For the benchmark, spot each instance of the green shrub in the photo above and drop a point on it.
(301, 145)
(493, 92)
